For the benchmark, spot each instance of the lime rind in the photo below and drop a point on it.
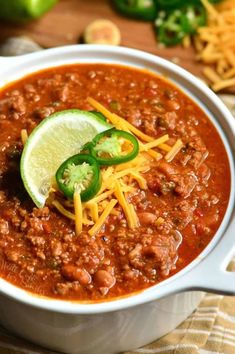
(54, 140)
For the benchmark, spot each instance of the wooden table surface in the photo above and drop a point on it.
(65, 23)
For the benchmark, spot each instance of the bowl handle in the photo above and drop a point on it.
(211, 273)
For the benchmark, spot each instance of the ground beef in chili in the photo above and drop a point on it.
(39, 250)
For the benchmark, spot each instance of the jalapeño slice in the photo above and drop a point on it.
(79, 173)
(113, 147)
(196, 17)
(171, 27)
(140, 9)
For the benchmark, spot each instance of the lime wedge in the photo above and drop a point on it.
(54, 140)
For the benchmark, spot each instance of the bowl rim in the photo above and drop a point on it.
(174, 283)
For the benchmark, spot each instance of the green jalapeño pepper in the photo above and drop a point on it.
(171, 27)
(196, 17)
(165, 4)
(139, 9)
(99, 115)
(79, 173)
(179, 4)
(112, 147)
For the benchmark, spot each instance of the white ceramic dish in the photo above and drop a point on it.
(130, 322)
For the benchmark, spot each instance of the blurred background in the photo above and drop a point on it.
(66, 21)
(198, 35)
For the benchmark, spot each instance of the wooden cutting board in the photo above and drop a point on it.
(65, 23)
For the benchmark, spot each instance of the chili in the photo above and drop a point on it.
(179, 209)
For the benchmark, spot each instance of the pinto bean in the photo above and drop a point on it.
(104, 279)
(167, 169)
(74, 273)
(147, 218)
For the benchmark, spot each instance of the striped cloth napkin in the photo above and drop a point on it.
(210, 329)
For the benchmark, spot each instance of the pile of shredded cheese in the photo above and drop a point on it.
(119, 182)
(215, 44)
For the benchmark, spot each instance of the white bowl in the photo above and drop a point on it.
(131, 321)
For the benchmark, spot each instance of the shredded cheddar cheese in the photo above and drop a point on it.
(141, 180)
(217, 86)
(101, 197)
(62, 210)
(154, 143)
(118, 121)
(134, 215)
(125, 206)
(215, 44)
(186, 42)
(85, 218)
(119, 182)
(140, 160)
(78, 212)
(211, 74)
(107, 172)
(93, 206)
(165, 147)
(103, 217)
(24, 136)
(159, 221)
(210, 8)
(156, 155)
(174, 151)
